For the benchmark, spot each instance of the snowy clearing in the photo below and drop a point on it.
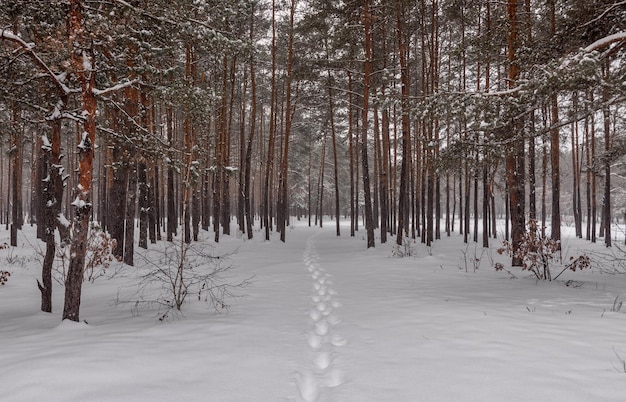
(323, 320)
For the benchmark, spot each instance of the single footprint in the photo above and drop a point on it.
(323, 360)
(321, 328)
(315, 315)
(314, 340)
(308, 386)
(334, 378)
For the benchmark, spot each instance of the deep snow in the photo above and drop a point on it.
(323, 320)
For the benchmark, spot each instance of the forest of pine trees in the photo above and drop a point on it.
(411, 119)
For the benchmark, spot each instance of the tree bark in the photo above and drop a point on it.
(369, 218)
(16, 177)
(52, 200)
(172, 218)
(154, 233)
(283, 181)
(403, 202)
(253, 117)
(607, 162)
(515, 150)
(331, 111)
(353, 216)
(144, 205)
(131, 212)
(555, 143)
(267, 214)
(82, 60)
(225, 207)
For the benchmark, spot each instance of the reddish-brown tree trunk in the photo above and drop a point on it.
(515, 149)
(82, 60)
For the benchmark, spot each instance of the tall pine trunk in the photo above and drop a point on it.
(144, 206)
(331, 112)
(131, 211)
(351, 136)
(283, 182)
(403, 203)
(82, 61)
(172, 218)
(369, 218)
(515, 149)
(555, 144)
(53, 198)
(267, 210)
(606, 209)
(248, 155)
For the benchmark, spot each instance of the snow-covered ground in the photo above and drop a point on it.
(323, 320)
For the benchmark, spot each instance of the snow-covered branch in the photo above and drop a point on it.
(565, 65)
(607, 40)
(57, 79)
(114, 88)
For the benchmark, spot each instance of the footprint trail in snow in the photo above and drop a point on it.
(316, 382)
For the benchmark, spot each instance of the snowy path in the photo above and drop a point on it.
(316, 383)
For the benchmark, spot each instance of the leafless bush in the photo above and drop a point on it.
(176, 274)
(407, 249)
(611, 260)
(621, 365)
(473, 257)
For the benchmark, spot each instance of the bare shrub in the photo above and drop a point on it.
(176, 274)
(407, 249)
(473, 257)
(621, 363)
(611, 260)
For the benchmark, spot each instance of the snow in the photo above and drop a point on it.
(45, 144)
(619, 36)
(114, 88)
(78, 203)
(324, 320)
(87, 66)
(84, 140)
(63, 221)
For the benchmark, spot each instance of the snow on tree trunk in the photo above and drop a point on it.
(83, 67)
